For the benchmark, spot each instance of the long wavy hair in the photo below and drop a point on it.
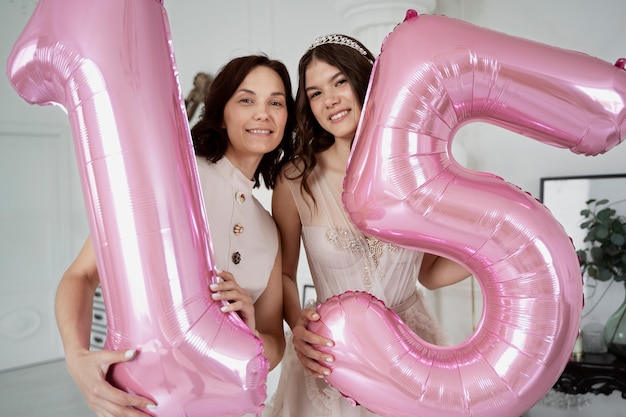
(210, 139)
(311, 138)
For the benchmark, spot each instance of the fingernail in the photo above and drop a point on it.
(130, 353)
(329, 359)
(217, 270)
(213, 287)
(215, 296)
(316, 316)
(326, 373)
(329, 344)
(151, 406)
(224, 309)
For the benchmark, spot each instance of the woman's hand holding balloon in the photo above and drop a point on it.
(239, 300)
(89, 370)
(304, 342)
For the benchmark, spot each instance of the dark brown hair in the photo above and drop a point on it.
(209, 136)
(311, 138)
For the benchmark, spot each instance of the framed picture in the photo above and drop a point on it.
(308, 294)
(566, 197)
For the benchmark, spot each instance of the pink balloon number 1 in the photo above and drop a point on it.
(435, 74)
(110, 65)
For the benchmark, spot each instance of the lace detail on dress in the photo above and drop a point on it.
(420, 320)
(322, 399)
(321, 395)
(344, 240)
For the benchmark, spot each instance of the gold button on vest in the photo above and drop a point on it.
(236, 258)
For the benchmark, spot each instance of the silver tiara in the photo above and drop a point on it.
(338, 40)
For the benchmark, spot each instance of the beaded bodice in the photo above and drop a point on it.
(342, 258)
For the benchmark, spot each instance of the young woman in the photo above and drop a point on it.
(245, 129)
(333, 79)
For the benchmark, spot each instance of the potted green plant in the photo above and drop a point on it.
(604, 259)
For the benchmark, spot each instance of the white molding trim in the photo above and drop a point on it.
(372, 20)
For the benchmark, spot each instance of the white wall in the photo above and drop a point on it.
(206, 34)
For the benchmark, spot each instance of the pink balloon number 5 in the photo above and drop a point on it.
(433, 75)
(110, 65)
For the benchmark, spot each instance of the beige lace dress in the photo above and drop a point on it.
(341, 258)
